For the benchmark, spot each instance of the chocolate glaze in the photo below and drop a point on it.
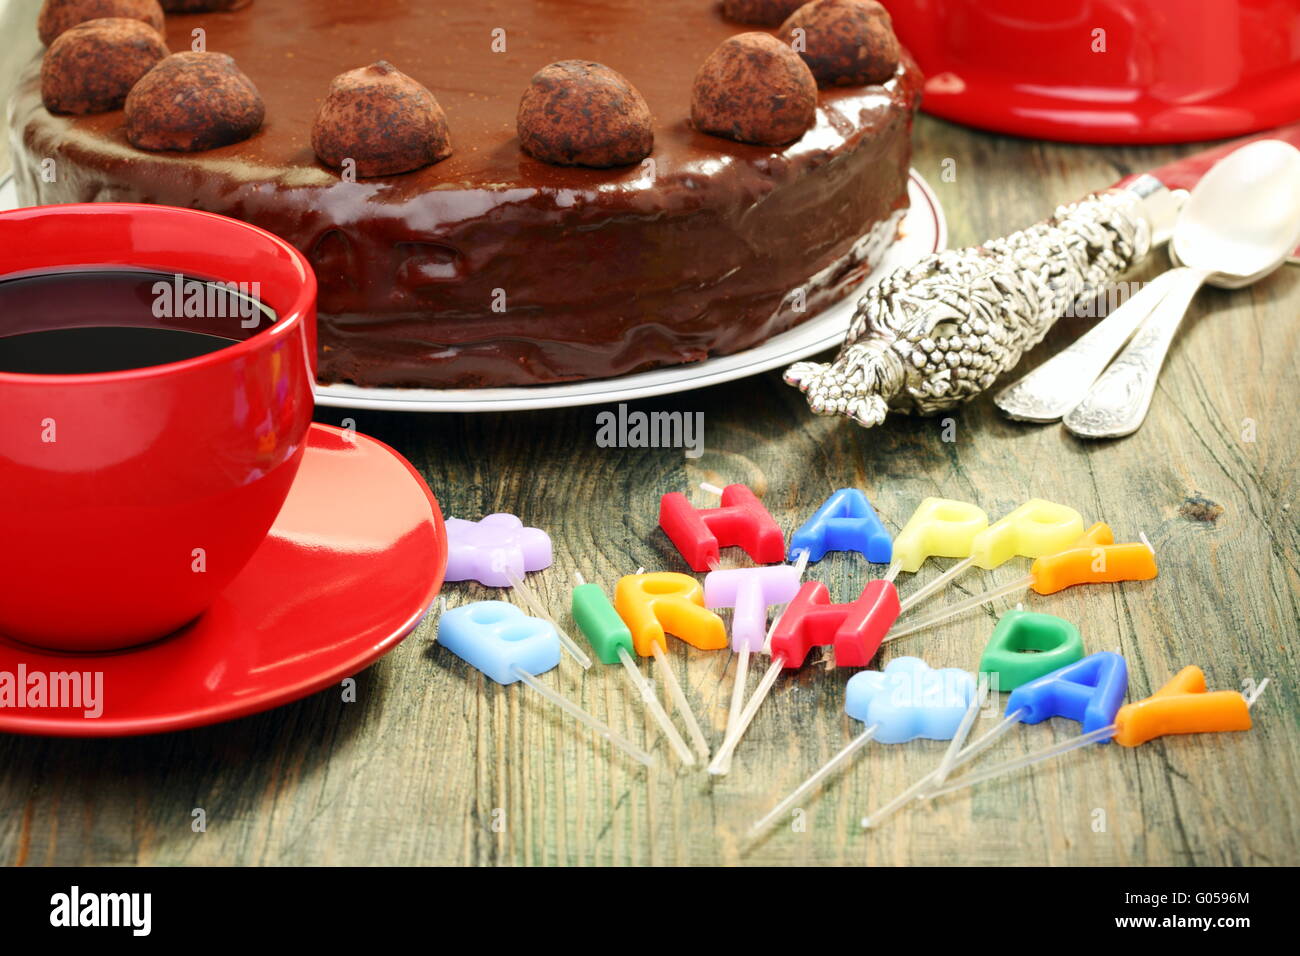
(603, 271)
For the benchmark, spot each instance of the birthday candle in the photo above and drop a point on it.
(742, 521)
(905, 701)
(846, 522)
(1088, 691)
(952, 756)
(938, 528)
(1026, 645)
(1036, 528)
(1182, 706)
(751, 592)
(612, 642)
(1088, 561)
(497, 551)
(508, 646)
(490, 550)
(654, 605)
(854, 630)
(1023, 647)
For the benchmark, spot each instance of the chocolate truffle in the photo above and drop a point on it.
(754, 89)
(762, 13)
(56, 16)
(191, 102)
(201, 6)
(382, 120)
(579, 113)
(845, 42)
(91, 67)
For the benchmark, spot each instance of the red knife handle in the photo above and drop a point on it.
(1187, 172)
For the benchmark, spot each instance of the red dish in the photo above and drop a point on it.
(115, 482)
(352, 563)
(1107, 71)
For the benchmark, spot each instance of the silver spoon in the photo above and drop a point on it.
(1056, 386)
(1239, 224)
(1048, 392)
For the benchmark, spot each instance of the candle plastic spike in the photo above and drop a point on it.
(737, 693)
(679, 700)
(1258, 692)
(573, 710)
(1099, 735)
(957, 745)
(656, 709)
(841, 758)
(977, 747)
(612, 641)
(539, 610)
(923, 592)
(722, 759)
(959, 607)
(505, 644)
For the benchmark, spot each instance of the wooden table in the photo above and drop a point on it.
(434, 764)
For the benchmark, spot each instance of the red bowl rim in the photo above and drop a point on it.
(288, 321)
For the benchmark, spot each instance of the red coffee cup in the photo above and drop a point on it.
(129, 499)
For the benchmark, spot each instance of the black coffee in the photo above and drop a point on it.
(72, 323)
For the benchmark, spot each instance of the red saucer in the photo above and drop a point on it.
(352, 563)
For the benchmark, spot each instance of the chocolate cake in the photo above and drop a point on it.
(492, 267)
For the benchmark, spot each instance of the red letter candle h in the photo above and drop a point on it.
(855, 630)
(742, 521)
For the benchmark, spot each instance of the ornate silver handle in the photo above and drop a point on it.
(1060, 383)
(1118, 401)
(937, 333)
